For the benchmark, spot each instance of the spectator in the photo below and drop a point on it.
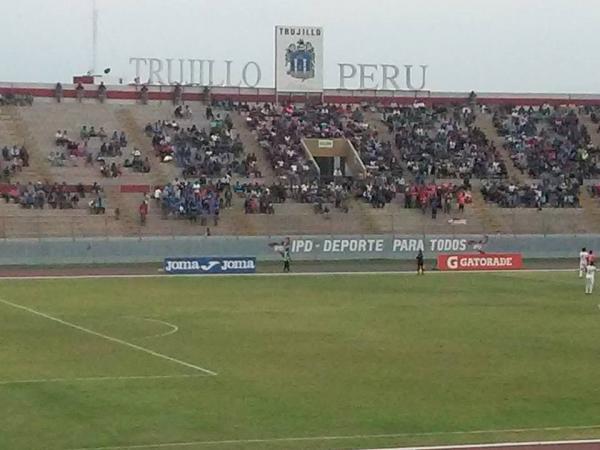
(177, 94)
(143, 210)
(102, 92)
(144, 95)
(58, 92)
(79, 92)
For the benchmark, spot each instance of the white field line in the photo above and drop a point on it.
(499, 445)
(172, 328)
(108, 338)
(275, 274)
(99, 379)
(373, 436)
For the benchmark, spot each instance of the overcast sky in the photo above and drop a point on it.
(484, 45)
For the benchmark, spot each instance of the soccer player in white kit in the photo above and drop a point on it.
(583, 258)
(590, 274)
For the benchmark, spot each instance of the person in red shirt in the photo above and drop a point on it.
(143, 212)
(591, 258)
(461, 201)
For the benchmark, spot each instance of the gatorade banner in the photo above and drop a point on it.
(483, 261)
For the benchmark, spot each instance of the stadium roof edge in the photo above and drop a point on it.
(356, 96)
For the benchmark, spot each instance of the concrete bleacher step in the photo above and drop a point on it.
(372, 220)
(231, 221)
(14, 210)
(17, 222)
(289, 219)
(399, 220)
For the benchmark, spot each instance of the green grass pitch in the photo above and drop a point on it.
(345, 361)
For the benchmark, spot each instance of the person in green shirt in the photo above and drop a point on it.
(286, 260)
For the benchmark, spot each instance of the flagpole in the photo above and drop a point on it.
(275, 69)
(94, 35)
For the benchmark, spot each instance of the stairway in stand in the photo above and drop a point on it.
(18, 133)
(483, 121)
(591, 127)
(484, 212)
(374, 119)
(248, 138)
(591, 212)
(160, 173)
(589, 204)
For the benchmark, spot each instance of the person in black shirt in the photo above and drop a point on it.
(420, 267)
(286, 260)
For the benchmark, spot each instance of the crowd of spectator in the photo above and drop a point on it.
(379, 190)
(201, 153)
(324, 195)
(54, 195)
(377, 155)
(259, 199)
(191, 200)
(445, 197)
(108, 156)
(547, 141)
(550, 145)
(280, 131)
(436, 198)
(443, 143)
(562, 192)
(14, 158)
(16, 99)
(183, 112)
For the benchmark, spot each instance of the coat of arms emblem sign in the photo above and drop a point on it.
(300, 60)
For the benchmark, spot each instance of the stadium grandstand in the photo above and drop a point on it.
(238, 164)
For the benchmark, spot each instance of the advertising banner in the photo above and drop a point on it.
(209, 265)
(298, 59)
(480, 261)
(152, 249)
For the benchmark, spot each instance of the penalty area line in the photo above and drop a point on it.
(108, 338)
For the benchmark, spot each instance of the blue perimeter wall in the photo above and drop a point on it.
(307, 248)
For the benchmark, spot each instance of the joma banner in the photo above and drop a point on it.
(480, 261)
(210, 265)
